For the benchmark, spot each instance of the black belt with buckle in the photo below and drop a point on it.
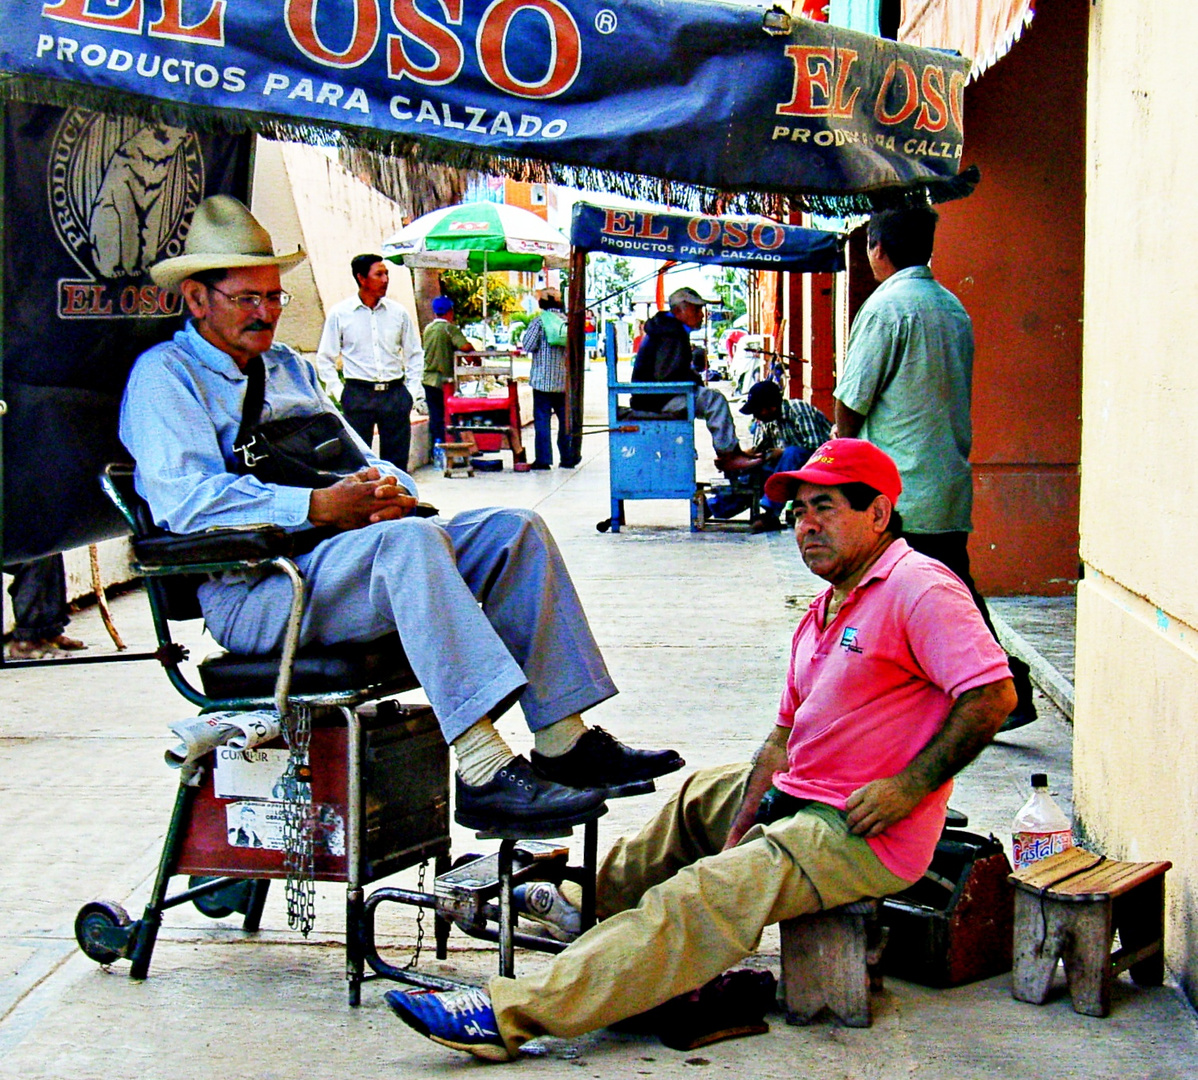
(378, 387)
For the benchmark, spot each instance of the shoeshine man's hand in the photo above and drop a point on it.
(769, 759)
(971, 723)
(362, 499)
(875, 807)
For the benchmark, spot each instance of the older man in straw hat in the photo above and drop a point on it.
(382, 568)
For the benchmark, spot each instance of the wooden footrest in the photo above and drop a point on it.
(457, 458)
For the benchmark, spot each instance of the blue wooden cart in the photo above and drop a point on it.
(652, 454)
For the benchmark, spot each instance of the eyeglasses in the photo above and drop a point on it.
(252, 301)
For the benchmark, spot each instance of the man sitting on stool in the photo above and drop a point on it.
(791, 430)
(894, 685)
(483, 603)
(666, 356)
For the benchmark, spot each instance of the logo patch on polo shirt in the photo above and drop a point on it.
(848, 640)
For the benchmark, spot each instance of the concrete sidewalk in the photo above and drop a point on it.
(1041, 630)
(695, 628)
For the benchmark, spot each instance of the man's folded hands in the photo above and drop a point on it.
(363, 498)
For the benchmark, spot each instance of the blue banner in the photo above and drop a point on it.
(698, 95)
(757, 243)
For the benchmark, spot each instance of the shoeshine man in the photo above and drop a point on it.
(894, 685)
(666, 355)
(483, 603)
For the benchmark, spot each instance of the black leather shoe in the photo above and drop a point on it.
(1025, 711)
(517, 796)
(600, 761)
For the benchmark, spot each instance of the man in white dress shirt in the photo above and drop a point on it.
(381, 358)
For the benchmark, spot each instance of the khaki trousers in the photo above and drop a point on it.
(677, 911)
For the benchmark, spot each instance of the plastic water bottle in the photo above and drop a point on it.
(1040, 829)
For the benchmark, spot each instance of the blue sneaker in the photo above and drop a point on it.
(460, 1019)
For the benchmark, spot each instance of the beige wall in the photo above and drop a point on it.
(1136, 726)
(116, 568)
(305, 198)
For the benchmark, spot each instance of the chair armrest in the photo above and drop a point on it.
(653, 387)
(184, 550)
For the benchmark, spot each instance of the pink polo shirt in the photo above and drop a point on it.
(865, 694)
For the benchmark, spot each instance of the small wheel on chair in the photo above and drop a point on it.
(603, 526)
(232, 899)
(94, 930)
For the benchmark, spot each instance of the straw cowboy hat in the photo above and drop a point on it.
(224, 235)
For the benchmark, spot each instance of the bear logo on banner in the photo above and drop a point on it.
(121, 191)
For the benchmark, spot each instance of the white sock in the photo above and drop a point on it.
(481, 753)
(559, 738)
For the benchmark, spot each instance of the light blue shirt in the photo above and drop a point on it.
(179, 419)
(909, 372)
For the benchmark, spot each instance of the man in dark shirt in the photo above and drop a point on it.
(666, 355)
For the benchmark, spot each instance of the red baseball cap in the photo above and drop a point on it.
(840, 461)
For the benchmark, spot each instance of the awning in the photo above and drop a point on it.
(694, 103)
(755, 242)
(984, 30)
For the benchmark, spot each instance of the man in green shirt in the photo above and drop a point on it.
(442, 338)
(907, 388)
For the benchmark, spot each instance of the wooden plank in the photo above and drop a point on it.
(1106, 881)
(1046, 871)
(1109, 879)
(1079, 876)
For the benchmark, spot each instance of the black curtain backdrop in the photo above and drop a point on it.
(90, 202)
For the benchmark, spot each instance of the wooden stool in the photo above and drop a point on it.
(457, 458)
(826, 959)
(1069, 907)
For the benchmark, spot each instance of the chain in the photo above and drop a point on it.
(298, 832)
(415, 959)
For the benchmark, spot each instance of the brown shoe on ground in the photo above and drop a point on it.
(766, 522)
(70, 644)
(736, 461)
(34, 650)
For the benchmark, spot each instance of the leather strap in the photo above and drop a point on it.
(255, 398)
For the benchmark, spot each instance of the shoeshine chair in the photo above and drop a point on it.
(651, 454)
(378, 775)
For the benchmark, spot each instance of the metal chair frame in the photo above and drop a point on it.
(105, 931)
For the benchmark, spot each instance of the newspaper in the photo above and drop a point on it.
(200, 735)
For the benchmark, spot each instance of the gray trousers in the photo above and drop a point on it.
(713, 407)
(483, 604)
(39, 599)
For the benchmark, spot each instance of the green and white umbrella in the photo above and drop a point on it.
(480, 237)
